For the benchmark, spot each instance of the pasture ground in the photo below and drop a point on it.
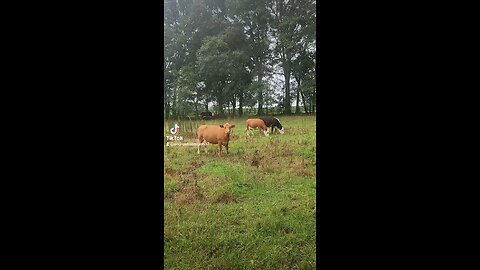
(254, 208)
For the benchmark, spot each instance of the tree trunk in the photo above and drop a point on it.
(304, 102)
(240, 106)
(297, 107)
(287, 107)
(206, 106)
(233, 106)
(286, 74)
(174, 105)
(166, 111)
(314, 97)
(167, 95)
(312, 105)
(260, 91)
(220, 99)
(196, 107)
(314, 91)
(167, 108)
(221, 112)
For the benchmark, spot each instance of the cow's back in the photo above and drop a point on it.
(269, 121)
(201, 129)
(257, 122)
(212, 134)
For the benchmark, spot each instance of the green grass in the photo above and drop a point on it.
(251, 209)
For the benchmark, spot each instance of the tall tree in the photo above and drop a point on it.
(253, 16)
(223, 63)
(212, 55)
(292, 27)
(239, 66)
(226, 51)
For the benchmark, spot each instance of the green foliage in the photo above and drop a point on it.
(216, 49)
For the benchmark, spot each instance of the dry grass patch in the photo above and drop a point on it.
(188, 195)
(225, 198)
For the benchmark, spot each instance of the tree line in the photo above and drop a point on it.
(231, 53)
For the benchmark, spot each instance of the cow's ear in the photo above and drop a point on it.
(221, 126)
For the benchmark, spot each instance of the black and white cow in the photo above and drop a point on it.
(273, 122)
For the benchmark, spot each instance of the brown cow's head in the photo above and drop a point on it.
(227, 127)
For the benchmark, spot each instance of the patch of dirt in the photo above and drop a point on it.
(225, 198)
(169, 195)
(297, 165)
(183, 173)
(297, 131)
(287, 230)
(169, 171)
(256, 158)
(255, 162)
(188, 195)
(302, 169)
(217, 181)
(279, 149)
(306, 174)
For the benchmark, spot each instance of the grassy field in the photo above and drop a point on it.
(251, 209)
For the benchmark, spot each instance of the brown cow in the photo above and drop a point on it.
(214, 134)
(256, 123)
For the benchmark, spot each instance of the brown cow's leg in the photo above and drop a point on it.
(199, 143)
(219, 149)
(226, 147)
